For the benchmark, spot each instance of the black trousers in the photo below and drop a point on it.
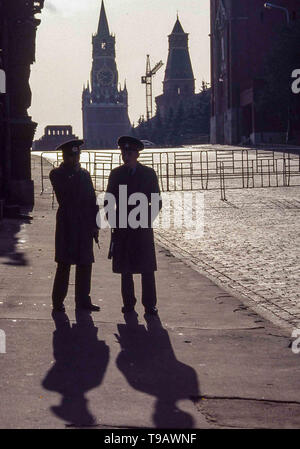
(82, 284)
(149, 298)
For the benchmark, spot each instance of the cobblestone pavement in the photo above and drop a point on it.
(250, 246)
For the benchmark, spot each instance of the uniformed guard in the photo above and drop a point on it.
(75, 227)
(132, 249)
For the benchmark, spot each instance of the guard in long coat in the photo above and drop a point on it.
(132, 249)
(75, 227)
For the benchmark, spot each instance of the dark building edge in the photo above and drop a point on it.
(242, 34)
(18, 26)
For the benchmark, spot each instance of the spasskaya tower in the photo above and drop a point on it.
(104, 103)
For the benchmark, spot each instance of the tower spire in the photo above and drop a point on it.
(177, 27)
(98, 113)
(103, 28)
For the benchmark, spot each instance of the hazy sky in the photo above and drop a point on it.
(64, 51)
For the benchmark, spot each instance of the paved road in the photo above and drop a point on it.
(211, 363)
(250, 245)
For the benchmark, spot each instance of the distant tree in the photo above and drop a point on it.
(187, 122)
(142, 129)
(177, 129)
(197, 117)
(157, 134)
(133, 131)
(203, 109)
(168, 126)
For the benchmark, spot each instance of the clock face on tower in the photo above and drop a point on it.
(105, 77)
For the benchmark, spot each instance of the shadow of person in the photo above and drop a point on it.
(148, 363)
(9, 230)
(80, 364)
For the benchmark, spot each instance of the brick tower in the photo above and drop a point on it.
(104, 104)
(179, 81)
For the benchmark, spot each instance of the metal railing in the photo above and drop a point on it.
(102, 166)
(197, 170)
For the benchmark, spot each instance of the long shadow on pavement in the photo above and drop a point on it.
(80, 364)
(9, 228)
(148, 362)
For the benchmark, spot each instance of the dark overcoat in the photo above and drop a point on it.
(76, 215)
(133, 250)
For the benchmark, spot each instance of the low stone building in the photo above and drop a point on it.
(54, 135)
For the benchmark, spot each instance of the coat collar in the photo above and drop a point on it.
(69, 169)
(137, 167)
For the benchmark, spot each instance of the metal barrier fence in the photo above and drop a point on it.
(196, 169)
